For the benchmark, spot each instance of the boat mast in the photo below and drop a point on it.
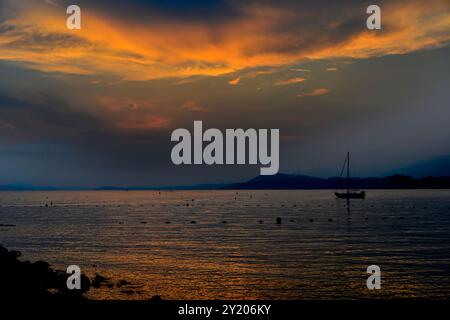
(348, 172)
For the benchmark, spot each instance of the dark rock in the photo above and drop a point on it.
(121, 283)
(127, 291)
(98, 281)
(23, 280)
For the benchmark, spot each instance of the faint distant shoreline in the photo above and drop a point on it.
(275, 182)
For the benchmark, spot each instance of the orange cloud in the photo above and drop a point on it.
(254, 74)
(144, 123)
(234, 82)
(260, 36)
(193, 105)
(129, 114)
(301, 70)
(115, 105)
(315, 92)
(289, 81)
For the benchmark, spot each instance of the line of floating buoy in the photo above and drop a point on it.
(189, 203)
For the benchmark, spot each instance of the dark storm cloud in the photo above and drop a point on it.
(41, 117)
(202, 10)
(341, 18)
(102, 128)
(25, 37)
(376, 114)
(211, 10)
(44, 138)
(47, 117)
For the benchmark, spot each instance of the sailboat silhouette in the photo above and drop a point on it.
(350, 194)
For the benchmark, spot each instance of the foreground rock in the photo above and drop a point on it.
(34, 281)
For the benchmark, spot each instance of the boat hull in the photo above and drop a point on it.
(350, 195)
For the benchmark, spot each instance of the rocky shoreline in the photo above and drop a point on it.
(35, 281)
(38, 281)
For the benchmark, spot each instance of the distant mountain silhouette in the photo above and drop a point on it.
(29, 187)
(435, 167)
(288, 181)
(280, 181)
(25, 187)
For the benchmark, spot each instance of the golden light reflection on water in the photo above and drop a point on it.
(207, 245)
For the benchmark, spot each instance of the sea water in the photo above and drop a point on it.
(228, 244)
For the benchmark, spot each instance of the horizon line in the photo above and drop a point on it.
(197, 186)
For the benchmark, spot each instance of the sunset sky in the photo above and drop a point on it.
(96, 106)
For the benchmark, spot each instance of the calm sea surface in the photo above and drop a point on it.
(235, 249)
